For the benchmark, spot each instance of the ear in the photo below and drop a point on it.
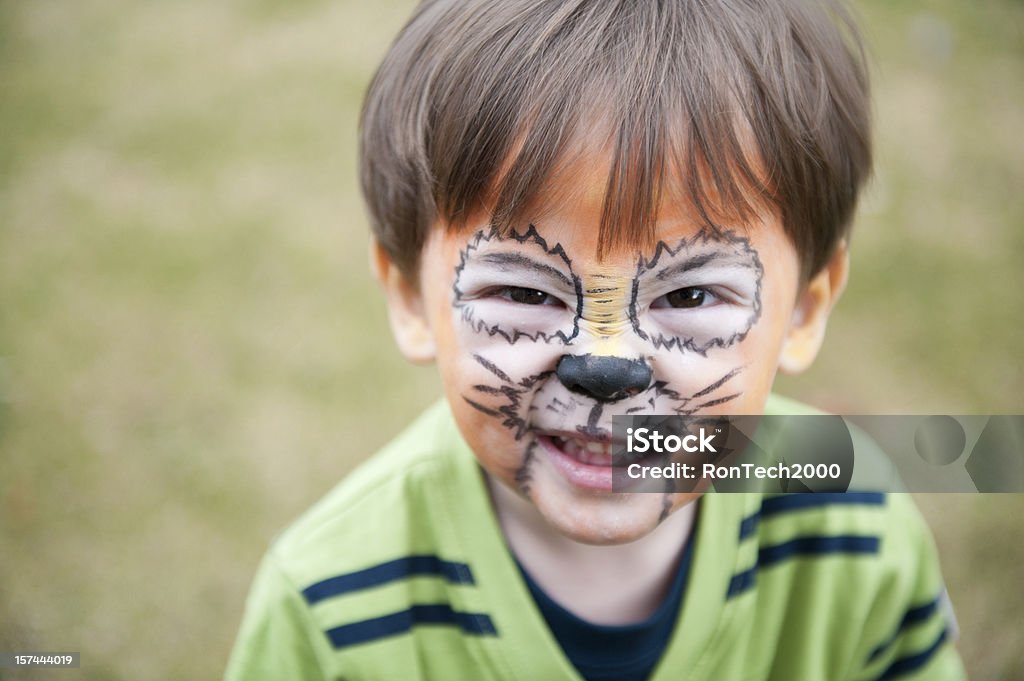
(810, 316)
(406, 310)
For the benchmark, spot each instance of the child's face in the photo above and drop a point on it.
(539, 343)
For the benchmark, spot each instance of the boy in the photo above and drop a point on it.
(585, 208)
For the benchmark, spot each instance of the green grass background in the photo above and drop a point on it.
(192, 350)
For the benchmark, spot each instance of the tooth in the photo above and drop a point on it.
(585, 451)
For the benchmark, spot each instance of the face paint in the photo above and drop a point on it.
(605, 379)
(605, 309)
(541, 342)
(495, 274)
(703, 293)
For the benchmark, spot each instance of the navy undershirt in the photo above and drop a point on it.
(615, 653)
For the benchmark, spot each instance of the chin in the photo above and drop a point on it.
(601, 518)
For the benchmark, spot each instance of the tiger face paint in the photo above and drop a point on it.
(540, 342)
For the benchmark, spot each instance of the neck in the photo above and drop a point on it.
(613, 585)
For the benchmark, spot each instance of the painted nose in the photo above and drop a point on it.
(606, 379)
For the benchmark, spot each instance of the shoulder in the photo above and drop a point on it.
(875, 543)
(367, 562)
(886, 529)
(778, 405)
(380, 509)
(848, 582)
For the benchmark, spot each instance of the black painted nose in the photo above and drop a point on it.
(606, 379)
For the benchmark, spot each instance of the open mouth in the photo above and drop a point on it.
(589, 452)
(586, 463)
(597, 465)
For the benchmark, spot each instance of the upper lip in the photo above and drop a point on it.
(603, 438)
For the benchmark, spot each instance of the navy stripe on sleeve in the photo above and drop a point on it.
(913, 616)
(741, 582)
(801, 547)
(911, 663)
(794, 502)
(393, 570)
(816, 546)
(749, 525)
(798, 502)
(477, 624)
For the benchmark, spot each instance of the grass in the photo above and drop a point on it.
(191, 349)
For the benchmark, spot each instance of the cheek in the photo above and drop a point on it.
(709, 384)
(518, 361)
(468, 356)
(765, 341)
(495, 446)
(490, 385)
(732, 380)
(759, 352)
(778, 296)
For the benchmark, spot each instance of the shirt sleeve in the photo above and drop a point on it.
(912, 632)
(277, 639)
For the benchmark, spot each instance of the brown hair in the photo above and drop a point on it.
(479, 101)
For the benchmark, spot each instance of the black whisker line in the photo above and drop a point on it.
(719, 383)
(661, 389)
(492, 367)
(720, 400)
(532, 380)
(481, 408)
(523, 475)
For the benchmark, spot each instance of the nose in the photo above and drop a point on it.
(606, 379)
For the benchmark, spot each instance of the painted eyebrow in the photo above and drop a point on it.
(694, 263)
(520, 260)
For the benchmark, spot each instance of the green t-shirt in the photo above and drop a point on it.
(401, 572)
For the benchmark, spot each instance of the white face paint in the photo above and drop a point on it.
(700, 294)
(540, 343)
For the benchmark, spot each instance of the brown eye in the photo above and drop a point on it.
(690, 296)
(526, 296)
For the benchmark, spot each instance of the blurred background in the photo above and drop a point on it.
(192, 350)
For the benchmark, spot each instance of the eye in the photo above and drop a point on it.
(687, 297)
(525, 296)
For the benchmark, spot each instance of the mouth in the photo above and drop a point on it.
(589, 452)
(586, 463)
